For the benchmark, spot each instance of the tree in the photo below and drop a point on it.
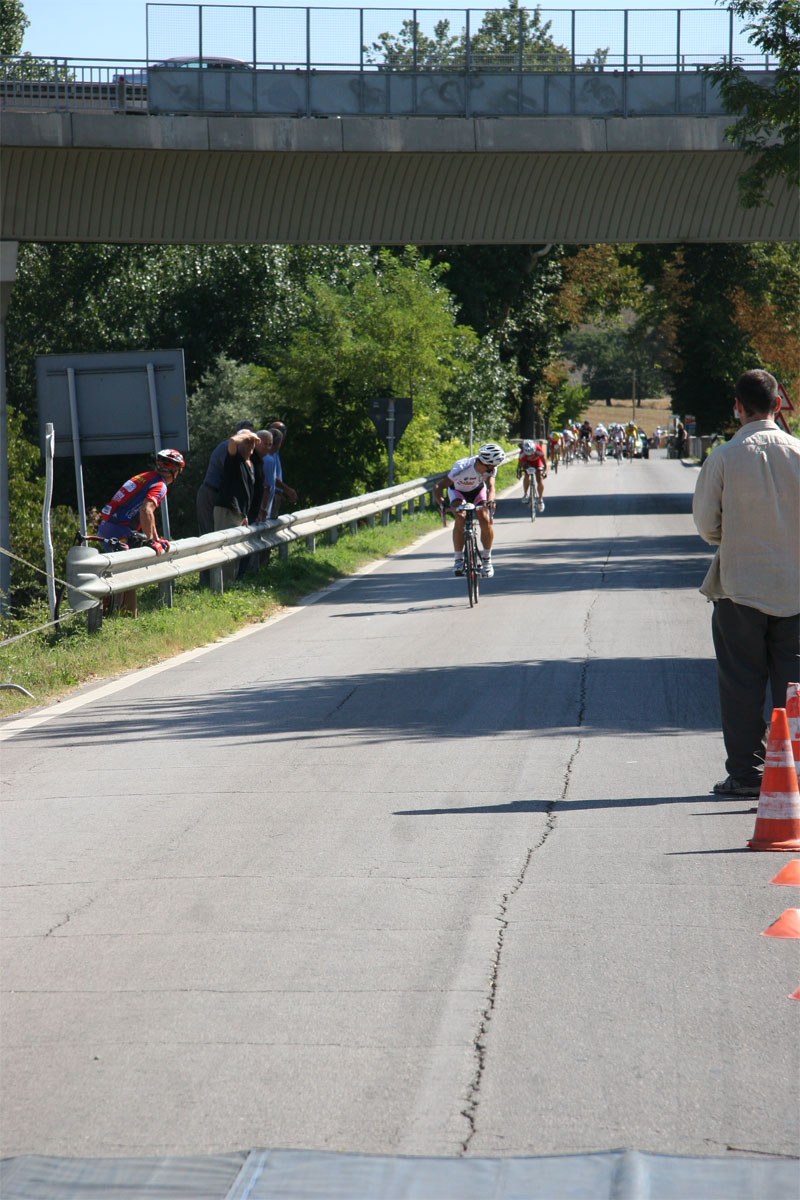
(609, 358)
(511, 293)
(390, 332)
(768, 113)
(13, 23)
(722, 309)
(507, 39)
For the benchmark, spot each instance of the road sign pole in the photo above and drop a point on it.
(390, 440)
(8, 274)
(76, 447)
(151, 387)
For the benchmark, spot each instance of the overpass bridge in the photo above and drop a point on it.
(134, 176)
(342, 126)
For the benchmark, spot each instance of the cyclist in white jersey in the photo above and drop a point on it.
(472, 479)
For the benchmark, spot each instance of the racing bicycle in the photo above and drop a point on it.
(533, 495)
(473, 564)
(472, 558)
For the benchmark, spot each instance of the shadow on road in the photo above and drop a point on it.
(536, 697)
(623, 504)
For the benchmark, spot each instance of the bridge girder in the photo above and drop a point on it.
(104, 177)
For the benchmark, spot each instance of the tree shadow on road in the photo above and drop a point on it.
(542, 698)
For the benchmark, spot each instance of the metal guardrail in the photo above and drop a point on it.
(102, 575)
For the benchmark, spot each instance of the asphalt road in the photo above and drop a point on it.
(392, 875)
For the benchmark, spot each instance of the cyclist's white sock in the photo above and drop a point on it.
(486, 555)
(459, 556)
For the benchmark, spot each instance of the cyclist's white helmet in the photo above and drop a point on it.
(491, 454)
(528, 447)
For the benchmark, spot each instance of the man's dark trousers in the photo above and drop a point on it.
(752, 648)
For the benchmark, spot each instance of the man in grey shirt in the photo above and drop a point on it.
(746, 503)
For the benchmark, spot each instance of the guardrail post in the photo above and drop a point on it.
(398, 512)
(410, 507)
(283, 551)
(165, 597)
(354, 526)
(333, 535)
(94, 619)
(385, 516)
(311, 544)
(217, 581)
(371, 521)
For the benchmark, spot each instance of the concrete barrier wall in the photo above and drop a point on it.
(430, 93)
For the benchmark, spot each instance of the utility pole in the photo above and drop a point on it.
(8, 273)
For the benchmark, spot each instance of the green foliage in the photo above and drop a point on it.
(723, 309)
(26, 494)
(391, 331)
(482, 386)
(768, 113)
(513, 294)
(567, 405)
(609, 358)
(13, 23)
(89, 299)
(507, 39)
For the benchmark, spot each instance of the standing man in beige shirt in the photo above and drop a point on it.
(747, 503)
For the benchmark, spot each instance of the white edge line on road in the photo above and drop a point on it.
(57, 708)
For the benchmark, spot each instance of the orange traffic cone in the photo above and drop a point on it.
(789, 876)
(795, 995)
(793, 719)
(786, 926)
(778, 816)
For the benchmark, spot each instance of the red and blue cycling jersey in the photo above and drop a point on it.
(125, 505)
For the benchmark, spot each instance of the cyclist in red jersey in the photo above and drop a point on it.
(532, 455)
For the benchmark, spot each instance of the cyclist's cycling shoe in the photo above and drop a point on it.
(459, 569)
(540, 505)
(731, 787)
(487, 569)
(525, 500)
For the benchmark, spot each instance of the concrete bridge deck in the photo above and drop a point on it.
(137, 177)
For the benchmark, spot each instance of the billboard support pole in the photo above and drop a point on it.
(8, 274)
(390, 440)
(151, 387)
(164, 589)
(76, 448)
(49, 563)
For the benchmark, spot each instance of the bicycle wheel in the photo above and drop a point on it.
(532, 501)
(471, 567)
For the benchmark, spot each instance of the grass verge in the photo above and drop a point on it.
(51, 664)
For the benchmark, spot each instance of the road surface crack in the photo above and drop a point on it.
(470, 1109)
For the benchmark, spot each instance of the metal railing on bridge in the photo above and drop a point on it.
(456, 39)
(241, 59)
